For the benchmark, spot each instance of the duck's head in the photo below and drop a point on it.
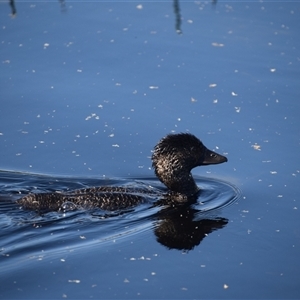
(176, 155)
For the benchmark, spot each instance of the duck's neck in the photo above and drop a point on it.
(188, 186)
(182, 183)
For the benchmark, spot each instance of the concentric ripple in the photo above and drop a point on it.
(215, 194)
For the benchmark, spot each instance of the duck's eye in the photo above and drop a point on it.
(213, 155)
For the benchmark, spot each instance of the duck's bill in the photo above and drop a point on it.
(213, 158)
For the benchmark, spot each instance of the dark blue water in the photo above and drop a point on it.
(87, 90)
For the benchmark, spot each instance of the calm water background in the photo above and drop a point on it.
(87, 89)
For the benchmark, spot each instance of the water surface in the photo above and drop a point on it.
(87, 90)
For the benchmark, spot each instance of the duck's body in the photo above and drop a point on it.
(173, 159)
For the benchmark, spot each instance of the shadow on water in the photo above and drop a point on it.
(14, 10)
(176, 6)
(175, 226)
(178, 18)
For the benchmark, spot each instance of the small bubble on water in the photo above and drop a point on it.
(68, 206)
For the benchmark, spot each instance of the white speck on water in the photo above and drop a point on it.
(237, 109)
(152, 87)
(115, 145)
(256, 147)
(215, 101)
(273, 172)
(93, 115)
(234, 94)
(74, 280)
(217, 44)
(69, 44)
(273, 70)
(212, 85)
(193, 100)
(139, 6)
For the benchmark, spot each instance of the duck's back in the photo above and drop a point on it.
(105, 197)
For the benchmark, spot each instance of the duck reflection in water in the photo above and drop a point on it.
(180, 228)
